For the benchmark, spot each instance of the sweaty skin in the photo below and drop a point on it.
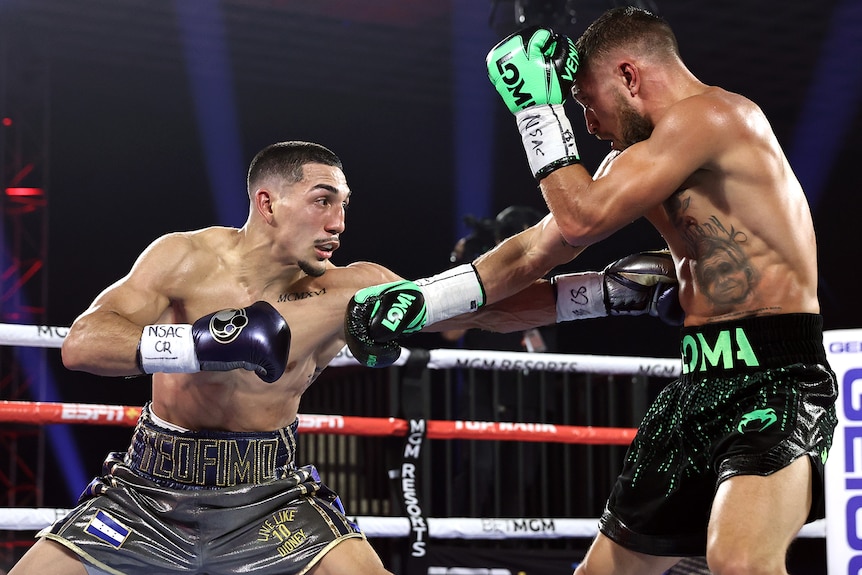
(281, 255)
(723, 196)
(704, 167)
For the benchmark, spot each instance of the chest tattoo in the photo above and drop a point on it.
(300, 295)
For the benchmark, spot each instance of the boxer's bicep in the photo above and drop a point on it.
(104, 338)
(163, 273)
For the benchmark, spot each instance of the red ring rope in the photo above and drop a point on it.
(41, 413)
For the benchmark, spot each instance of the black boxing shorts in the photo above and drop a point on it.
(754, 396)
(204, 502)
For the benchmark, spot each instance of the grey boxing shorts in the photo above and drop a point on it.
(204, 502)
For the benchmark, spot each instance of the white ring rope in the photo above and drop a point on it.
(32, 335)
(48, 336)
(24, 518)
(33, 519)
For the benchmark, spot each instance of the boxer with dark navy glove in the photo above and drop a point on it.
(256, 338)
(638, 284)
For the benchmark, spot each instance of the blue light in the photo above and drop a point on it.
(60, 440)
(473, 107)
(831, 101)
(211, 82)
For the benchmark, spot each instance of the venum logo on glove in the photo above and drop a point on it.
(226, 325)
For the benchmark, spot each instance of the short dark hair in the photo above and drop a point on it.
(286, 159)
(626, 25)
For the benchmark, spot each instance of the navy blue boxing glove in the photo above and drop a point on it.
(639, 284)
(256, 338)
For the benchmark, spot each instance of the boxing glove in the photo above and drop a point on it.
(378, 315)
(639, 284)
(533, 70)
(255, 338)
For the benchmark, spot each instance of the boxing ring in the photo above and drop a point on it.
(408, 438)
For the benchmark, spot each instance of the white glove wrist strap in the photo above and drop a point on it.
(168, 348)
(580, 296)
(547, 137)
(452, 293)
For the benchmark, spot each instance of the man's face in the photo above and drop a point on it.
(635, 127)
(311, 217)
(608, 111)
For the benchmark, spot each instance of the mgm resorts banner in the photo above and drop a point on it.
(844, 466)
(443, 560)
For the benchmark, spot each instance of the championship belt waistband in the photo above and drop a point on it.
(212, 459)
(752, 344)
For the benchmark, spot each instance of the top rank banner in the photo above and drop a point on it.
(844, 466)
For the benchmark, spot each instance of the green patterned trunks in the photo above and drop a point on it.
(754, 396)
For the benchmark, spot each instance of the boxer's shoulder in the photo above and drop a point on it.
(362, 274)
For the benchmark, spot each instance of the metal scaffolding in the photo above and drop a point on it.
(24, 117)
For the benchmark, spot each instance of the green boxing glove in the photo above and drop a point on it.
(533, 70)
(532, 67)
(378, 315)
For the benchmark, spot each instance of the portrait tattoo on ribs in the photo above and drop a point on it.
(723, 271)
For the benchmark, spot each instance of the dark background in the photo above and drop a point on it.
(375, 81)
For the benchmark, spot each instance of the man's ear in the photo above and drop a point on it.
(631, 77)
(263, 203)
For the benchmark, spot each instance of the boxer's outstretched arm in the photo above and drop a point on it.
(520, 260)
(502, 286)
(531, 307)
(378, 315)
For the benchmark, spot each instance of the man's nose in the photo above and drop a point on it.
(335, 224)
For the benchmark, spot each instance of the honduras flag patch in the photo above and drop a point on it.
(108, 529)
